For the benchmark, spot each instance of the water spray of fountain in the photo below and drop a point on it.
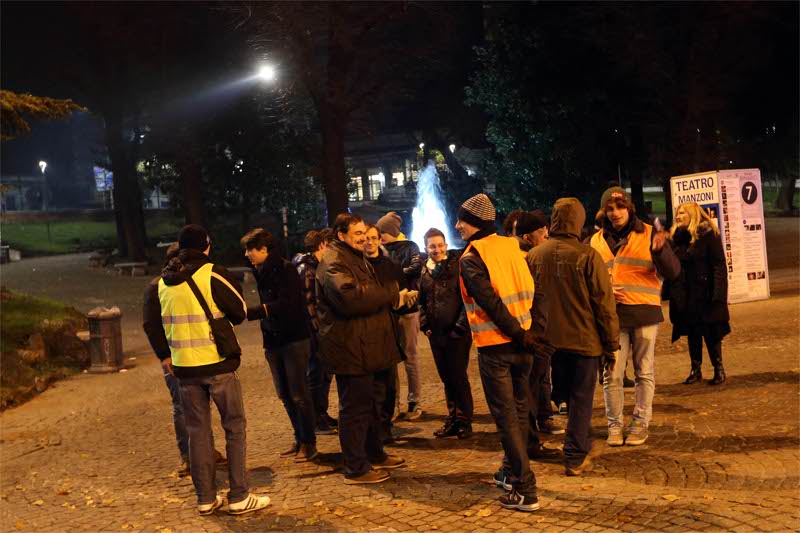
(429, 212)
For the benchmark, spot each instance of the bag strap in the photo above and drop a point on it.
(200, 298)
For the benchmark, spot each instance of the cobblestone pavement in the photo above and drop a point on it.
(97, 452)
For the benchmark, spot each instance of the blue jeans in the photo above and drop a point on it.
(226, 392)
(181, 435)
(289, 366)
(639, 345)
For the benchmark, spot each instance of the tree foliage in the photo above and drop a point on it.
(17, 109)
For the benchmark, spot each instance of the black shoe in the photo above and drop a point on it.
(694, 377)
(464, 430)
(544, 454)
(306, 453)
(449, 429)
(520, 502)
(501, 479)
(332, 422)
(719, 376)
(627, 383)
(323, 428)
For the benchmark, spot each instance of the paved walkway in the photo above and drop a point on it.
(97, 453)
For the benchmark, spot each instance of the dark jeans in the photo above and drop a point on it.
(289, 366)
(360, 404)
(319, 381)
(714, 348)
(578, 375)
(452, 360)
(388, 404)
(505, 374)
(181, 435)
(226, 391)
(544, 409)
(539, 372)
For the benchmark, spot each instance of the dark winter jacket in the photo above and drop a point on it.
(283, 312)
(356, 330)
(151, 317)
(306, 265)
(667, 266)
(700, 293)
(226, 292)
(441, 308)
(524, 245)
(479, 287)
(406, 254)
(573, 304)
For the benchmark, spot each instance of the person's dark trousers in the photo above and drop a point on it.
(226, 392)
(451, 356)
(388, 404)
(578, 375)
(181, 435)
(319, 381)
(505, 374)
(289, 366)
(544, 408)
(696, 350)
(360, 405)
(539, 371)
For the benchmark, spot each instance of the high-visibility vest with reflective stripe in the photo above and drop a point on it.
(632, 269)
(512, 282)
(185, 324)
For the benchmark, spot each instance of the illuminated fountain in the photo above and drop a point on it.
(429, 212)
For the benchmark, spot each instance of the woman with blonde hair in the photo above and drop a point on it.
(699, 297)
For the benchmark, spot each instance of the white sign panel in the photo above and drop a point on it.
(732, 198)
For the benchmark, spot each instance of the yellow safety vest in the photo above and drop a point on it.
(185, 323)
(512, 282)
(632, 269)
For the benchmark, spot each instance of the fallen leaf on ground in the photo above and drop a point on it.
(469, 513)
(400, 503)
(85, 455)
(587, 487)
(68, 505)
(352, 516)
(19, 524)
(623, 518)
(166, 530)
(38, 502)
(319, 503)
(339, 512)
(108, 501)
(485, 512)
(671, 497)
(709, 496)
(62, 491)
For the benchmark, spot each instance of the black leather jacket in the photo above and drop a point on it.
(441, 307)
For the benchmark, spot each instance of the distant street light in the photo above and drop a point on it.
(421, 146)
(43, 166)
(452, 148)
(267, 73)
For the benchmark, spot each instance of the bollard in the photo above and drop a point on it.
(105, 339)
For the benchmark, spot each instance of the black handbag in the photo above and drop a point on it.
(221, 328)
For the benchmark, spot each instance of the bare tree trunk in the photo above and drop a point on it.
(127, 193)
(333, 170)
(785, 200)
(194, 211)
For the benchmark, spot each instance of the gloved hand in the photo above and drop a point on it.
(608, 360)
(536, 345)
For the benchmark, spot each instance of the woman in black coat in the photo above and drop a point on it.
(699, 297)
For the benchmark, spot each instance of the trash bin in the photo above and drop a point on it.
(105, 339)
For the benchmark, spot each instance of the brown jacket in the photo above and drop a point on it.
(573, 305)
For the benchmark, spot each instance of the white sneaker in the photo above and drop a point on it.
(209, 508)
(249, 504)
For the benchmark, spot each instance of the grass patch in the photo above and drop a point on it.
(24, 373)
(71, 236)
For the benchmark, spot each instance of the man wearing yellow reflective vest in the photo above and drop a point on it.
(497, 289)
(203, 373)
(637, 257)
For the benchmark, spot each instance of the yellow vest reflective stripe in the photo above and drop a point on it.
(185, 324)
(632, 269)
(512, 282)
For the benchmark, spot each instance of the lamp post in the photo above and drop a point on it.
(42, 167)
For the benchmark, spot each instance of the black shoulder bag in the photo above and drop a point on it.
(221, 329)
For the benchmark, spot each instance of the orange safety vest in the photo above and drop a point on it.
(512, 282)
(632, 269)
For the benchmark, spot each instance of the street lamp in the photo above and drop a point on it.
(43, 166)
(267, 73)
(452, 148)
